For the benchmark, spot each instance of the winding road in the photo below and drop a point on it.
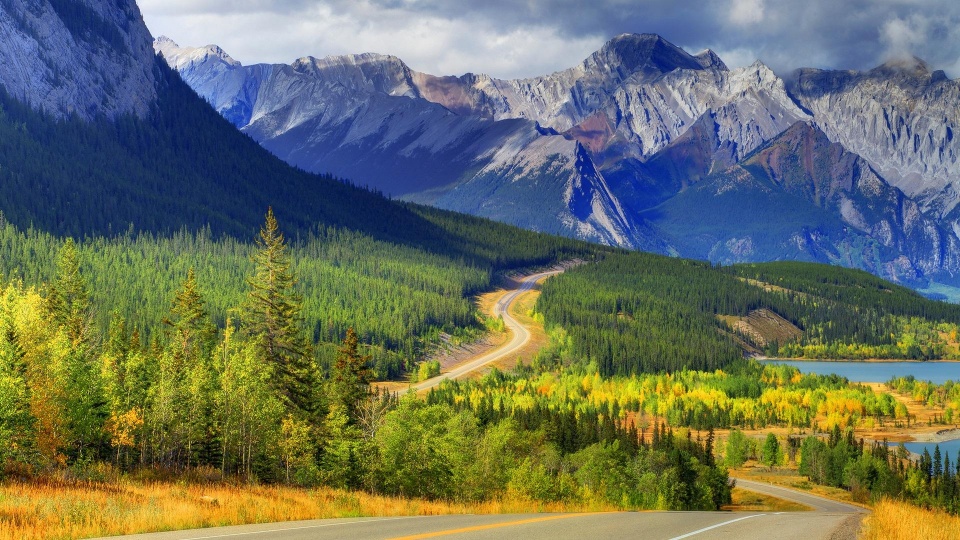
(519, 332)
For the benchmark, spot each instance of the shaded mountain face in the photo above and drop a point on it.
(803, 197)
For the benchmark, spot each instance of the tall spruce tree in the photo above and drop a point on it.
(191, 341)
(272, 317)
(351, 377)
(68, 307)
(192, 333)
(68, 301)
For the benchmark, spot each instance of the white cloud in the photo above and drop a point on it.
(506, 38)
(431, 44)
(746, 12)
(902, 36)
(735, 58)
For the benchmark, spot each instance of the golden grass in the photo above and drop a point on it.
(750, 501)
(51, 511)
(896, 520)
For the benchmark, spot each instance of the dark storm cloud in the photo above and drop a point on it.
(511, 38)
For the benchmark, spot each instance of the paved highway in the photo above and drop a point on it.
(829, 520)
(520, 335)
(646, 525)
(819, 504)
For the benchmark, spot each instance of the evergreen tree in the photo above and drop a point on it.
(273, 320)
(193, 334)
(192, 341)
(68, 302)
(351, 378)
(68, 306)
(771, 451)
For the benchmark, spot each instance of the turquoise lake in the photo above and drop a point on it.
(936, 372)
(946, 447)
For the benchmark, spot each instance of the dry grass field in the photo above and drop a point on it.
(53, 511)
(896, 520)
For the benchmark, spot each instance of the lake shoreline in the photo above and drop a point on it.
(943, 435)
(859, 361)
(881, 372)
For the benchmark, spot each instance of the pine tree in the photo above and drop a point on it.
(272, 317)
(350, 378)
(191, 341)
(68, 301)
(68, 306)
(192, 333)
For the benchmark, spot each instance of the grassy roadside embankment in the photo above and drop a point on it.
(55, 511)
(898, 520)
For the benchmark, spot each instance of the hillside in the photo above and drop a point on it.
(640, 313)
(157, 189)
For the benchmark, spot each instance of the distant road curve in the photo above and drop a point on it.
(819, 504)
(520, 334)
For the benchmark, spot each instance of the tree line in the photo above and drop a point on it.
(873, 471)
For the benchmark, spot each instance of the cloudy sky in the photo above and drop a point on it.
(517, 38)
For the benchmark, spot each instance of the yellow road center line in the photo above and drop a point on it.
(491, 526)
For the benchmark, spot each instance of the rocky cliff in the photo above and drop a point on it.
(79, 57)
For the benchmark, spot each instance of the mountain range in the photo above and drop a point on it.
(641, 145)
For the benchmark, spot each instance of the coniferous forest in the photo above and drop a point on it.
(640, 313)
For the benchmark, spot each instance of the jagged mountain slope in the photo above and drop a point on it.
(901, 117)
(802, 197)
(354, 116)
(637, 93)
(455, 142)
(636, 124)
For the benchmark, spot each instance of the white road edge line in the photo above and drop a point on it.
(705, 529)
(297, 528)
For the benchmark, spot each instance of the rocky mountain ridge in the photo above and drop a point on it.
(633, 126)
(901, 117)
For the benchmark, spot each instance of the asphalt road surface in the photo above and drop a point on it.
(828, 520)
(520, 335)
(646, 525)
